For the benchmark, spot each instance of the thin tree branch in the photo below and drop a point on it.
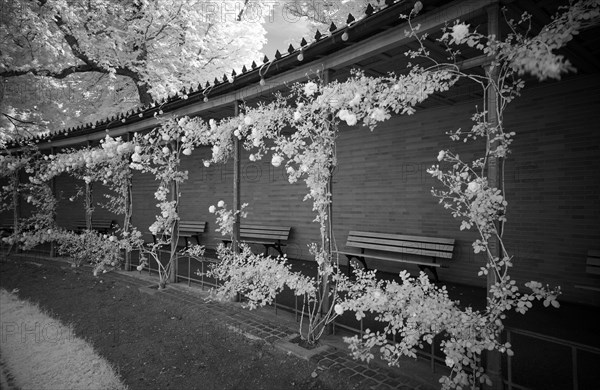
(49, 73)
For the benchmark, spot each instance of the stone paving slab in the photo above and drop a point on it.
(363, 375)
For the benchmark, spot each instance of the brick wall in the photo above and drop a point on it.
(68, 211)
(381, 185)
(553, 184)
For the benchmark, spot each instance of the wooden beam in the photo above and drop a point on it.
(235, 242)
(494, 172)
(589, 62)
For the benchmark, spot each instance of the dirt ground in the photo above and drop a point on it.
(153, 343)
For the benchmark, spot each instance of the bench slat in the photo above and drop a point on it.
(594, 253)
(265, 232)
(265, 227)
(101, 225)
(435, 240)
(263, 236)
(429, 264)
(592, 270)
(254, 230)
(263, 242)
(593, 262)
(387, 244)
(413, 251)
(198, 227)
(270, 233)
(189, 229)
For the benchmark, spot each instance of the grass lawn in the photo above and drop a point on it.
(40, 352)
(153, 343)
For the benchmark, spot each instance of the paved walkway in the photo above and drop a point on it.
(264, 324)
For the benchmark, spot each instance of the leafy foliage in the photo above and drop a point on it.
(88, 59)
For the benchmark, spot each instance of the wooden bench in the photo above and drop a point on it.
(377, 245)
(6, 229)
(592, 266)
(99, 225)
(268, 236)
(189, 229)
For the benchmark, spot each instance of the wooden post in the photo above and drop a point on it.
(88, 201)
(237, 204)
(236, 185)
(325, 286)
(53, 189)
(127, 217)
(16, 210)
(494, 363)
(127, 221)
(175, 233)
(88, 205)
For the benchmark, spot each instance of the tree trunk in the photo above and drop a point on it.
(143, 94)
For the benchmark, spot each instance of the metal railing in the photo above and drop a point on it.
(429, 354)
(574, 348)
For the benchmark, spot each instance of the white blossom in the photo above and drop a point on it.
(459, 32)
(473, 187)
(276, 160)
(351, 119)
(310, 88)
(339, 310)
(355, 100)
(379, 114)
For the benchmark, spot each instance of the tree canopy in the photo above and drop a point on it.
(66, 62)
(69, 62)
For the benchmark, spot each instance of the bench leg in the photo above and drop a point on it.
(433, 271)
(277, 247)
(359, 263)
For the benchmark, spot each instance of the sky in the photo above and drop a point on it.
(283, 29)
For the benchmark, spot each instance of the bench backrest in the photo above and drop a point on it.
(400, 243)
(192, 226)
(264, 232)
(97, 224)
(592, 265)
